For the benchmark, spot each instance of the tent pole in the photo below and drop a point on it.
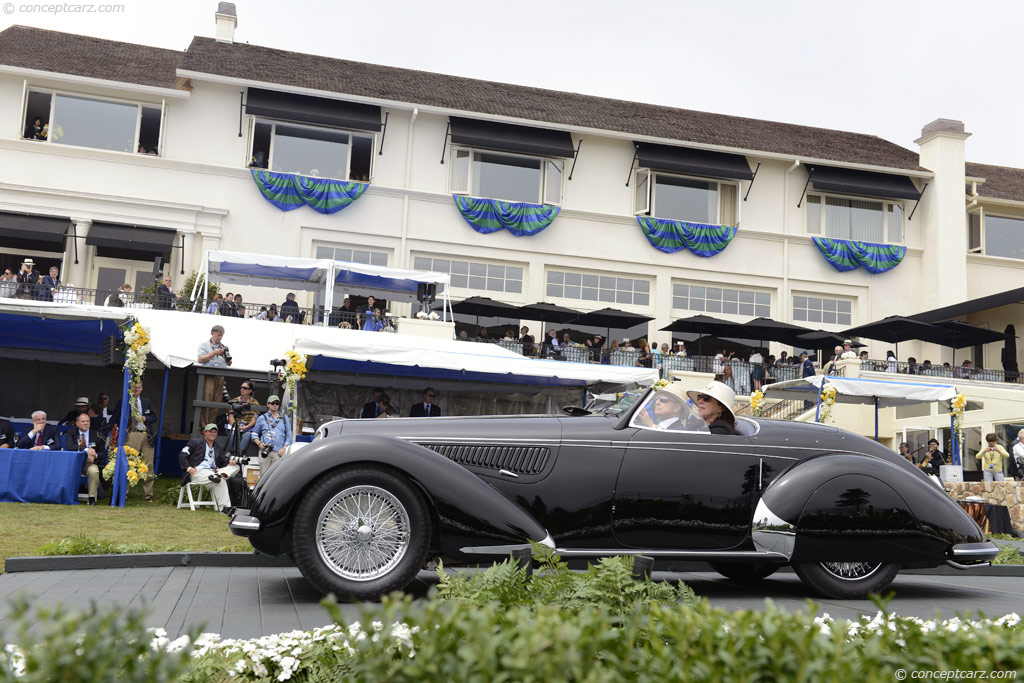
(329, 295)
(160, 424)
(204, 271)
(119, 490)
(817, 407)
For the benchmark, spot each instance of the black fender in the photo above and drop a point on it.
(845, 507)
(470, 512)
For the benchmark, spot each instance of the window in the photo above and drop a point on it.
(485, 277)
(373, 258)
(815, 309)
(684, 199)
(82, 121)
(855, 219)
(311, 151)
(996, 235)
(603, 288)
(508, 177)
(710, 299)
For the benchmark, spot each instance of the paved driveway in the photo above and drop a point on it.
(253, 601)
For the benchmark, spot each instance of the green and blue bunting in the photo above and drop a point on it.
(672, 236)
(288, 191)
(846, 255)
(519, 218)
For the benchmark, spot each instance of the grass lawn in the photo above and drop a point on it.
(26, 527)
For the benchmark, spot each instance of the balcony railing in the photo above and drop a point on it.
(952, 373)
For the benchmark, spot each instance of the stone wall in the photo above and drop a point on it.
(1008, 493)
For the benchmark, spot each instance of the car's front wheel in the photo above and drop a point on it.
(847, 580)
(361, 532)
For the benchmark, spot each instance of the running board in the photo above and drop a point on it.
(957, 565)
(723, 555)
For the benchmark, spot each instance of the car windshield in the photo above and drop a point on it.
(665, 411)
(615, 400)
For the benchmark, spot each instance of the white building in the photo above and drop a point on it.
(148, 152)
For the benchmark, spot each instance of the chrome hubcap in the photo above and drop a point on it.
(362, 533)
(851, 571)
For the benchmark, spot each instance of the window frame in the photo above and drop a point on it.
(542, 188)
(651, 208)
(334, 246)
(28, 89)
(886, 230)
(256, 120)
(599, 274)
(470, 261)
(830, 297)
(772, 294)
(983, 215)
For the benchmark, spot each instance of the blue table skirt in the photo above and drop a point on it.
(40, 476)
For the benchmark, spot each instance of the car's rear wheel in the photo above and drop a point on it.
(847, 580)
(361, 533)
(744, 573)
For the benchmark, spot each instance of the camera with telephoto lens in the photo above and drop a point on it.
(242, 461)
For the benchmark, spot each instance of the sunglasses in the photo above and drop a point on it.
(274, 403)
(665, 399)
(430, 396)
(704, 397)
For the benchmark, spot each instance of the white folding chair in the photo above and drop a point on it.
(193, 501)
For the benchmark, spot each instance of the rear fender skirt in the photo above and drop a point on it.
(853, 507)
(470, 512)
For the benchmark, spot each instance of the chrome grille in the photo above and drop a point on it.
(518, 459)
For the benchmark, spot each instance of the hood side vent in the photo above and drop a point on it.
(518, 459)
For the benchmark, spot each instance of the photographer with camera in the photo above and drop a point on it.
(272, 433)
(213, 354)
(245, 417)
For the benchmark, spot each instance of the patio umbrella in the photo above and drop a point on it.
(612, 317)
(767, 329)
(702, 325)
(897, 328)
(821, 340)
(1009, 352)
(549, 313)
(482, 306)
(965, 334)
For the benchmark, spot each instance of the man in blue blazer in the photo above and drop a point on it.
(42, 436)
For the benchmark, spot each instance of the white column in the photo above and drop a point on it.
(940, 223)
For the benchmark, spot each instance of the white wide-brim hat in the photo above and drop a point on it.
(675, 390)
(721, 393)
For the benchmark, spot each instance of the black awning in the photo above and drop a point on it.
(964, 308)
(863, 183)
(688, 161)
(33, 233)
(508, 138)
(307, 109)
(133, 242)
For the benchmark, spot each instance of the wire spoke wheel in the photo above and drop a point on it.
(363, 533)
(851, 571)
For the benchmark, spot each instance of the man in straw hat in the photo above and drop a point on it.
(28, 277)
(668, 409)
(715, 406)
(848, 352)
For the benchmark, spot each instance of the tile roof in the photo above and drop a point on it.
(68, 53)
(1001, 182)
(267, 65)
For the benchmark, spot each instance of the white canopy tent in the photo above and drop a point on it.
(314, 275)
(876, 392)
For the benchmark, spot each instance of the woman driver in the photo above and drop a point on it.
(715, 406)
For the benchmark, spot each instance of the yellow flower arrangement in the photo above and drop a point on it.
(957, 405)
(757, 403)
(137, 468)
(294, 370)
(828, 399)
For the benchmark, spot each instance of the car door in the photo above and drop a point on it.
(685, 490)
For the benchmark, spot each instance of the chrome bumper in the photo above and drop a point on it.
(242, 523)
(971, 555)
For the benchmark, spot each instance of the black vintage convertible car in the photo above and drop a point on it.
(370, 502)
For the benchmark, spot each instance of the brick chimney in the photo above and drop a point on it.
(227, 21)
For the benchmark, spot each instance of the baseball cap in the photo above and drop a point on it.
(210, 426)
(273, 397)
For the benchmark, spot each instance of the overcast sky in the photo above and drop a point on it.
(879, 67)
